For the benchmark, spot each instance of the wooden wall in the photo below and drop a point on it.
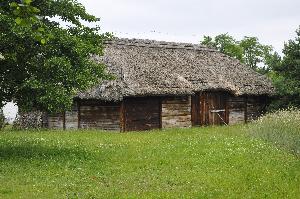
(71, 120)
(176, 112)
(55, 121)
(145, 113)
(66, 120)
(236, 108)
(141, 113)
(246, 108)
(99, 115)
(256, 106)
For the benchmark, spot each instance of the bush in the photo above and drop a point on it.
(29, 120)
(281, 128)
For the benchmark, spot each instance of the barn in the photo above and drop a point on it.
(163, 85)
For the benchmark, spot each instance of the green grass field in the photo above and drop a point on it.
(214, 162)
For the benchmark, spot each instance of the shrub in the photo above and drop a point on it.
(281, 128)
(29, 120)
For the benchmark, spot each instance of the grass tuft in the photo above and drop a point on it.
(281, 128)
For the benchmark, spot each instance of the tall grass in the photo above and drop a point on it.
(281, 128)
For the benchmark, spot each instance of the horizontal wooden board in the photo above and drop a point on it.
(71, 118)
(55, 121)
(236, 117)
(99, 115)
(176, 112)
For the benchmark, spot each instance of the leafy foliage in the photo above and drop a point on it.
(225, 44)
(286, 75)
(44, 64)
(249, 51)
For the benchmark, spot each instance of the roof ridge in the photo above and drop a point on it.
(158, 44)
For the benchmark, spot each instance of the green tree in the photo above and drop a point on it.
(286, 76)
(249, 50)
(255, 53)
(43, 64)
(225, 44)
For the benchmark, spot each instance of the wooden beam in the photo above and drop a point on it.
(122, 117)
(78, 113)
(64, 120)
(202, 112)
(246, 109)
(193, 110)
(160, 111)
(227, 109)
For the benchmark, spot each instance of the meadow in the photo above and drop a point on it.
(242, 161)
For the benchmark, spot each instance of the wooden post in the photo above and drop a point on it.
(160, 112)
(227, 109)
(64, 120)
(203, 111)
(194, 109)
(246, 109)
(78, 113)
(122, 117)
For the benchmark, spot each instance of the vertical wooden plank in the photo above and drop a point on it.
(122, 117)
(193, 110)
(214, 108)
(246, 109)
(217, 99)
(227, 108)
(190, 102)
(203, 112)
(196, 109)
(79, 113)
(125, 119)
(45, 123)
(64, 120)
(209, 108)
(160, 112)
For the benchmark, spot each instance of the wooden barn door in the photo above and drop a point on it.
(214, 108)
(141, 114)
(210, 108)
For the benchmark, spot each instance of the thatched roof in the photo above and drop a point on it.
(148, 68)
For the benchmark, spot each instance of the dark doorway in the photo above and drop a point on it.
(141, 114)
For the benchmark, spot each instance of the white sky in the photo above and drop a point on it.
(272, 21)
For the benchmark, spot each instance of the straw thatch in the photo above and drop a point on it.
(147, 68)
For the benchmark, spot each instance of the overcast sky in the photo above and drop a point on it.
(272, 21)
